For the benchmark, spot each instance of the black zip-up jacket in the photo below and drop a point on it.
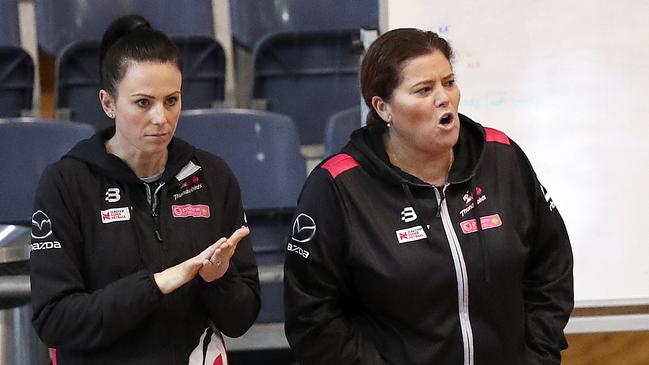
(383, 268)
(99, 233)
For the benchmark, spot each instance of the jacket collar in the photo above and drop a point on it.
(93, 152)
(366, 146)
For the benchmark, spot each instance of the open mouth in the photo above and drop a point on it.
(446, 119)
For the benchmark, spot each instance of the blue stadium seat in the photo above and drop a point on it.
(27, 146)
(78, 77)
(9, 26)
(307, 75)
(77, 84)
(262, 148)
(338, 128)
(61, 22)
(252, 20)
(16, 81)
(203, 71)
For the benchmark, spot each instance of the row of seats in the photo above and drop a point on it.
(305, 55)
(77, 78)
(261, 147)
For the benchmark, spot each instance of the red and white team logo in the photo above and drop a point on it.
(468, 200)
(115, 215)
(411, 234)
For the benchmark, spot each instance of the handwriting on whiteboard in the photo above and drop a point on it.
(501, 101)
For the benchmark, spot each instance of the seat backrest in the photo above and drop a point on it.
(252, 20)
(60, 22)
(261, 148)
(307, 76)
(78, 77)
(9, 25)
(203, 71)
(16, 81)
(77, 83)
(27, 146)
(339, 126)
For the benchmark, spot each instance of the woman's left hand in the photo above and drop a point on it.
(219, 263)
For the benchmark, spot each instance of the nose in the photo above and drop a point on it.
(441, 98)
(158, 115)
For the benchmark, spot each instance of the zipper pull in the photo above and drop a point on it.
(156, 226)
(442, 196)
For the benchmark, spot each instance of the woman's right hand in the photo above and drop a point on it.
(177, 276)
(220, 261)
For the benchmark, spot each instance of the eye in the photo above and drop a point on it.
(143, 103)
(424, 90)
(171, 101)
(449, 83)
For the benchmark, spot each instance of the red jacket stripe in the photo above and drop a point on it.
(494, 135)
(339, 164)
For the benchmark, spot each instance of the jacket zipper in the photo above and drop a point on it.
(152, 198)
(461, 276)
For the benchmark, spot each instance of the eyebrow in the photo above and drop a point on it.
(153, 97)
(428, 81)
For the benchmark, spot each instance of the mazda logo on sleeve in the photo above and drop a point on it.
(41, 225)
(303, 228)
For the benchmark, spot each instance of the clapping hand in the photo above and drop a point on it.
(219, 262)
(211, 264)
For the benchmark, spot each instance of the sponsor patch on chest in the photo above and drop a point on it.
(115, 215)
(411, 234)
(487, 222)
(190, 210)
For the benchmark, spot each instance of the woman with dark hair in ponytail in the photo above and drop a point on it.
(150, 260)
(429, 238)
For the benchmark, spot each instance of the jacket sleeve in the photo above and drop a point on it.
(320, 326)
(66, 314)
(233, 301)
(548, 280)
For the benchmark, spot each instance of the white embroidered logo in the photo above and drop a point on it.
(408, 214)
(112, 195)
(547, 197)
(41, 225)
(303, 228)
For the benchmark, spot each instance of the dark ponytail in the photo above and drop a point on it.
(131, 38)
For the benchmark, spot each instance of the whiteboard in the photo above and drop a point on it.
(569, 82)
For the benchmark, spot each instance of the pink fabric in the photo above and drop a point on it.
(53, 356)
(339, 164)
(494, 135)
(218, 361)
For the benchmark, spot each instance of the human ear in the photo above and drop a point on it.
(107, 103)
(382, 108)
